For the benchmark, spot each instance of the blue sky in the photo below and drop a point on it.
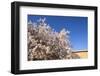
(78, 27)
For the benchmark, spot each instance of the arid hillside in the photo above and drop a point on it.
(81, 54)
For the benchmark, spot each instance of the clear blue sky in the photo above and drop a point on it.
(78, 27)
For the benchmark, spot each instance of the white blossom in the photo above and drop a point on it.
(44, 43)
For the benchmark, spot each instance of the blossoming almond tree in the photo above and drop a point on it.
(46, 44)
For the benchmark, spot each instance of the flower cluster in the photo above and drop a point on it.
(44, 43)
